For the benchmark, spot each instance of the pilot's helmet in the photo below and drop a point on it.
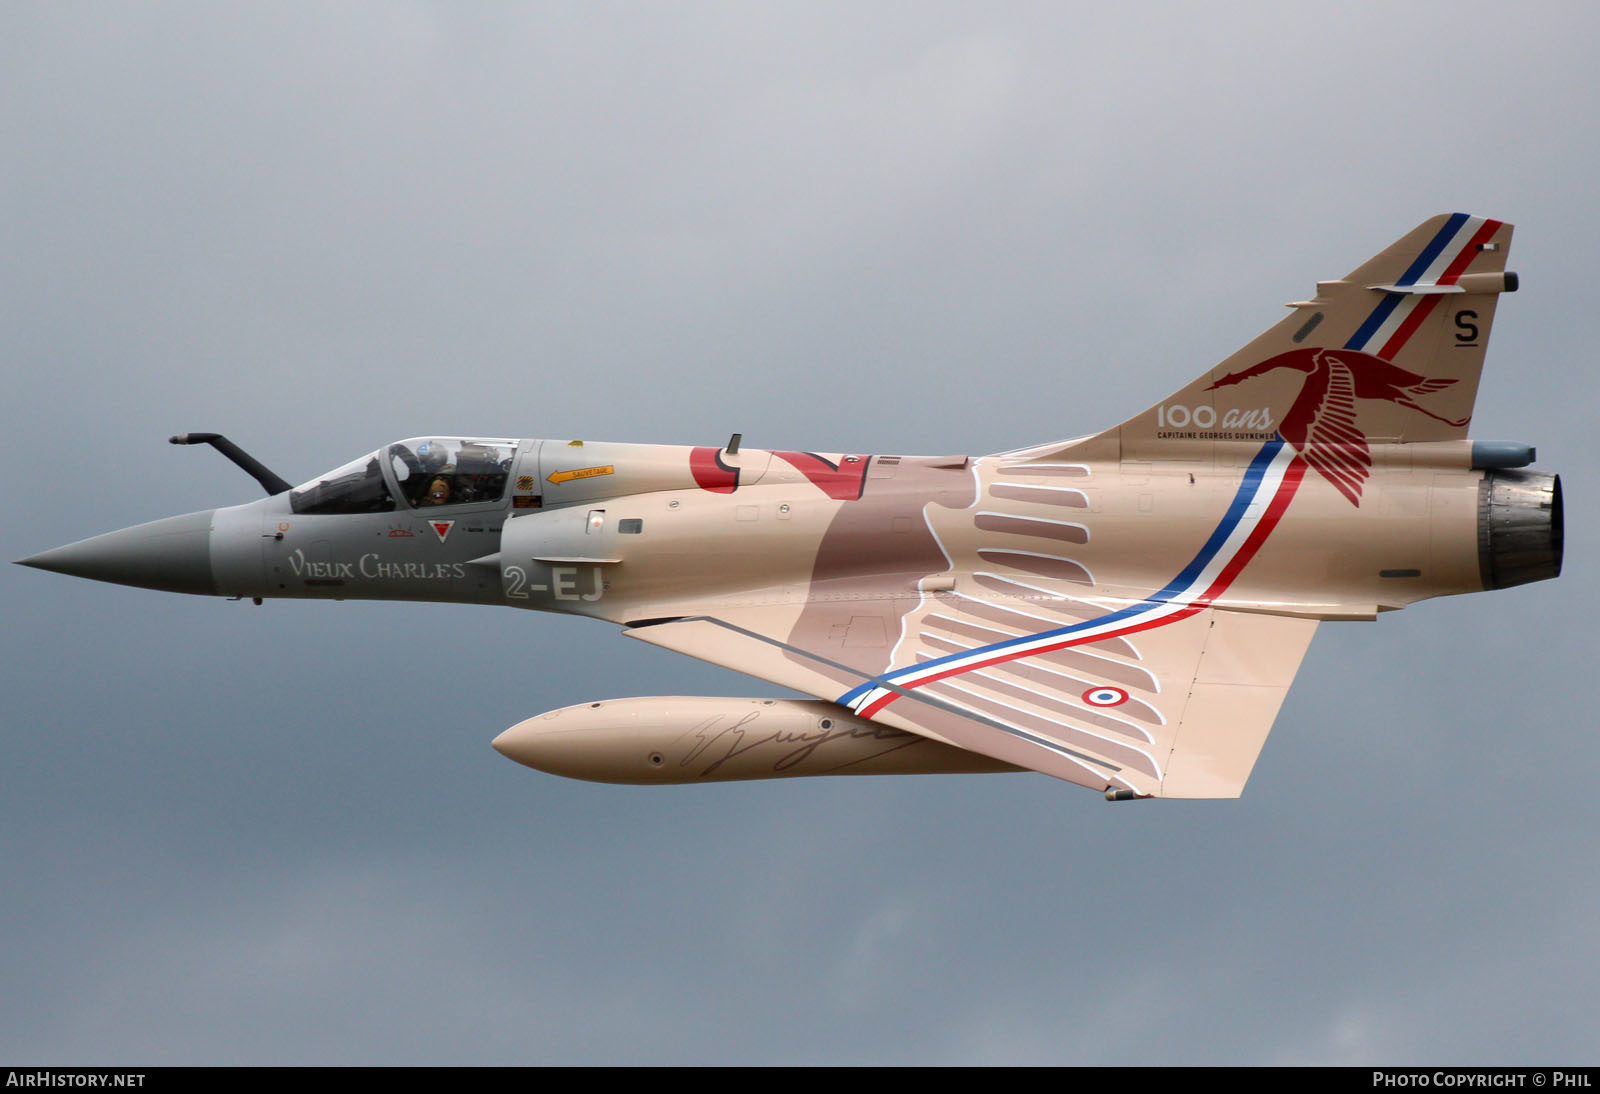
(433, 455)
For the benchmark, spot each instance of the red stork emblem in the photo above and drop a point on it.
(1322, 422)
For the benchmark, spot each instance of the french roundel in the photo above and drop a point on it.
(1105, 697)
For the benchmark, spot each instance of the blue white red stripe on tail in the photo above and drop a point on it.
(1320, 430)
(1446, 257)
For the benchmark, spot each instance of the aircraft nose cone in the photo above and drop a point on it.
(173, 554)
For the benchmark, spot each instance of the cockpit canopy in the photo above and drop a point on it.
(418, 473)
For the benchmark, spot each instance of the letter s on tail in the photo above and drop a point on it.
(1391, 352)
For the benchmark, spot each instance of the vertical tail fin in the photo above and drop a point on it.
(1390, 352)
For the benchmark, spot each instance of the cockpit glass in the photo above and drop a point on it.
(357, 487)
(435, 471)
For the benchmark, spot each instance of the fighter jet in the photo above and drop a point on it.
(1124, 611)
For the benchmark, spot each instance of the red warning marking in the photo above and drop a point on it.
(710, 473)
(833, 479)
(441, 528)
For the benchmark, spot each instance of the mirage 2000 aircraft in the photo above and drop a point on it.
(1124, 611)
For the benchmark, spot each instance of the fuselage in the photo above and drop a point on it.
(627, 531)
(1125, 611)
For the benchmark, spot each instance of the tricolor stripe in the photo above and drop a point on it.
(1446, 257)
(1268, 486)
(1263, 496)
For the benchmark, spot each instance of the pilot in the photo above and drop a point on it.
(433, 456)
(438, 492)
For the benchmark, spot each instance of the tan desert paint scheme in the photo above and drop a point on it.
(938, 558)
(1124, 611)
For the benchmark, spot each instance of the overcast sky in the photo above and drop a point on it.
(235, 834)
